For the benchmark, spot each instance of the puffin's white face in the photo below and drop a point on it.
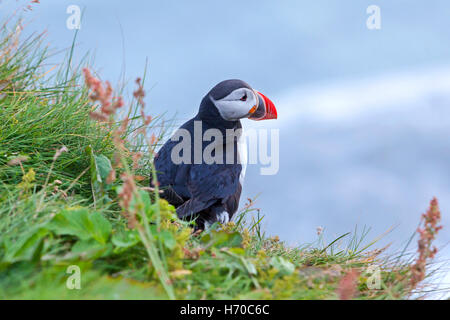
(239, 104)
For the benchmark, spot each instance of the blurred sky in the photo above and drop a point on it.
(364, 114)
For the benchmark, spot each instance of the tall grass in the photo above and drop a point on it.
(40, 115)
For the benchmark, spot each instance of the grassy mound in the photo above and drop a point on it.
(78, 221)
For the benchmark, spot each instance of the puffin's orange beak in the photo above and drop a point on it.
(265, 109)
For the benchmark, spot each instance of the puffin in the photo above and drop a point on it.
(207, 189)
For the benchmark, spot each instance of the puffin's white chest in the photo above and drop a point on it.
(242, 156)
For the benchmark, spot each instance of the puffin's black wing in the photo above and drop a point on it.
(209, 184)
(167, 173)
(165, 168)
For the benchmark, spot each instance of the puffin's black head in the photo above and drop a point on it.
(234, 99)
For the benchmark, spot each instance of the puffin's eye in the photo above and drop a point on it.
(244, 97)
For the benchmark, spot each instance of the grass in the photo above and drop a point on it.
(73, 192)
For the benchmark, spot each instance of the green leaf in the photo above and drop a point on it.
(103, 166)
(101, 227)
(250, 267)
(100, 169)
(284, 266)
(74, 222)
(141, 202)
(238, 251)
(206, 237)
(145, 198)
(125, 238)
(89, 248)
(96, 180)
(168, 239)
(220, 239)
(28, 247)
(82, 224)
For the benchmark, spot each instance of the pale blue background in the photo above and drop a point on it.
(364, 115)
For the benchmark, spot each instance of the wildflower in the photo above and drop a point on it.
(27, 181)
(59, 152)
(56, 190)
(319, 230)
(147, 119)
(118, 103)
(4, 84)
(153, 139)
(427, 234)
(139, 94)
(17, 160)
(102, 94)
(111, 176)
(125, 197)
(98, 116)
